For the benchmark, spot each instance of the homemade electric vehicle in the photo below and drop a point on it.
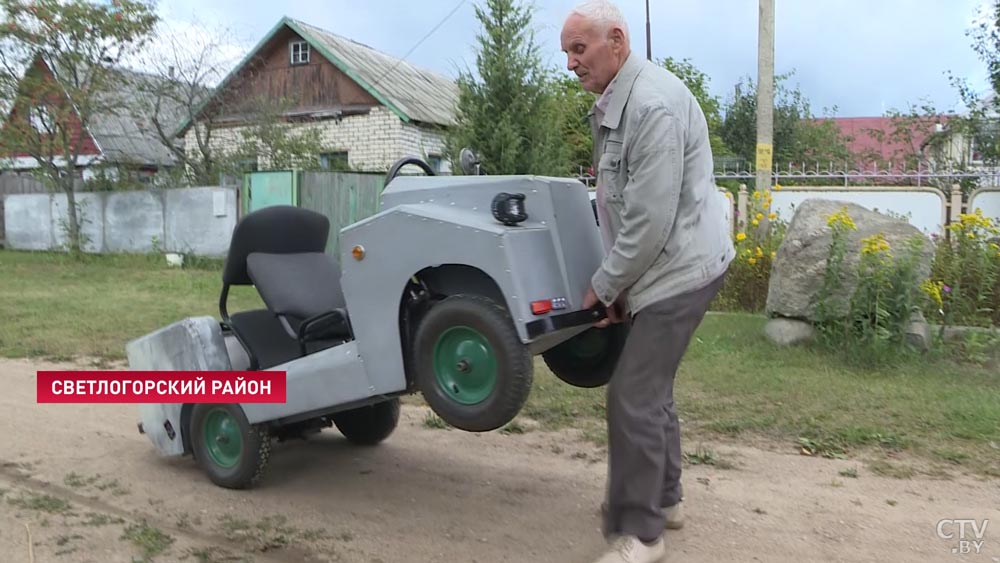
(448, 291)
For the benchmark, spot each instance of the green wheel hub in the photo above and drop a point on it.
(465, 365)
(223, 438)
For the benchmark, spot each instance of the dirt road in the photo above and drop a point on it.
(86, 487)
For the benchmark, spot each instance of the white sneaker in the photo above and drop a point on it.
(628, 549)
(675, 518)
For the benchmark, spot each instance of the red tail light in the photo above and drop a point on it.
(541, 307)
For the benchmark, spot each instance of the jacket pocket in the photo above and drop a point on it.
(609, 174)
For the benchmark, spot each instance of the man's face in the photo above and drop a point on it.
(594, 55)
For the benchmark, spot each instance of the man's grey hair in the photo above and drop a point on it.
(603, 13)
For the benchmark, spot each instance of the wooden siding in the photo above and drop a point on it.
(344, 197)
(316, 85)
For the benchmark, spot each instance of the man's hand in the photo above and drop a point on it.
(614, 311)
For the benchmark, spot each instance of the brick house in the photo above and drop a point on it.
(370, 108)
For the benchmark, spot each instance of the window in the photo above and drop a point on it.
(299, 52)
(434, 160)
(334, 160)
(41, 121)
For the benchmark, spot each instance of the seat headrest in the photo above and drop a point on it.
(280, 229)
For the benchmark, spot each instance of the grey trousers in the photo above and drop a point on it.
(644, 440)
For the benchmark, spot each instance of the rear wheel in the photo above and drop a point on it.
(471, 366)
(232, 452)
(589, 358)
(368, 425)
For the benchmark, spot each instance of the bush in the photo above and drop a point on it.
(749, 274)
(965, 277)
(871, 325)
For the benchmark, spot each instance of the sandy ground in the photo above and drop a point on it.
(86, 487)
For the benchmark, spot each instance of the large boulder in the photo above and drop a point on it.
(800, 265)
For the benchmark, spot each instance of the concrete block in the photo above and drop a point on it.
(28, 221)
(133, 221)
(90, 213)
(200, 220)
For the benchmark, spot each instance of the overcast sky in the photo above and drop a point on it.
(862, 56)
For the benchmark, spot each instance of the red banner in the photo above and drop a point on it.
(161, 387)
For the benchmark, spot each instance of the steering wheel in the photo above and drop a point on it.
(394, 171)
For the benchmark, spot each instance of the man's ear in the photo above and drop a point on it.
(617, 37)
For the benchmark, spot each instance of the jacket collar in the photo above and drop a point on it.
(621, 87)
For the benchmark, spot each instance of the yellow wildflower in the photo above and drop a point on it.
(760, 253)
(874, 244)
(760, 216)
(772, 216)
(777, 187)
(756, 195)
(841, 219)
(756, 223)
(752, 261)
(741, 237)
(774, 255)
(933, 290)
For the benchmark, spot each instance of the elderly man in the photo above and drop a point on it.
(668, 250)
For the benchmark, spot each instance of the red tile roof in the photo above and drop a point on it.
(863, 144)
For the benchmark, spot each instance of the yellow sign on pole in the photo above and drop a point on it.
(765, 154)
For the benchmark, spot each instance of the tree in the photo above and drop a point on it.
(268, 137)
(798, 137)
(980, 124)
(698, 82)
(179, 93)
(57, 60)
(507, 113)
(574, 105)
(183, 69)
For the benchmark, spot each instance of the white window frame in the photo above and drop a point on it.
(299, 52)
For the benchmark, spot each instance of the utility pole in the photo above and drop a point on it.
(649, 46)
(765, 95)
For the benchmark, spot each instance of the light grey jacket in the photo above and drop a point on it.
(667, 220)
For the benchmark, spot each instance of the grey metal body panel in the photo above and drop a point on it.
(430, 221)
(317, 382)
(192, 344)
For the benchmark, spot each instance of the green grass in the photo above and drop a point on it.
(59, 307)
(733, 383)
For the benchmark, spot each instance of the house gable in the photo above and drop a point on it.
(58, 104)
(314, 87)
(340, 77)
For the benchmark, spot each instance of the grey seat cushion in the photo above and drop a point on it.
(299, 285)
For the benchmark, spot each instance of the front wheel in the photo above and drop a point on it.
(232, 452)
(471, 366)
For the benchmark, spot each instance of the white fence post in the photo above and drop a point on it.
(741, 219)
(956, 204)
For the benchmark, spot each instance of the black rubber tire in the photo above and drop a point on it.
(368, 425)
(588, 370)
(254, 455)
(514, 368)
